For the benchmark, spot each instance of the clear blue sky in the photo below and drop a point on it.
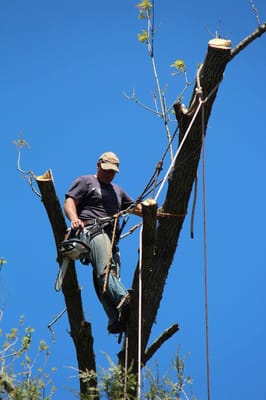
(64, 68)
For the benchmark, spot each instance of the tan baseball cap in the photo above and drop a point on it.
(109, 160)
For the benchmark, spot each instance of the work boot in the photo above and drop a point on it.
(117, 327)
(123, 308)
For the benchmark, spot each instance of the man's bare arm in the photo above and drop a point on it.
(70, 209)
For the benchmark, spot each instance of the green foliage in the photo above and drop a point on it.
(87, 378)
(21, 377)
(144, 10)
(2, 261)
(116, 383)
(143, 36)
(20, 143)
(113, 383)
(145, 13)
(179, 65)
(167, 388)
(144, 5)
(161, 107)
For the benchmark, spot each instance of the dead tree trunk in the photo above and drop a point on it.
(180, 184)
(80, 330)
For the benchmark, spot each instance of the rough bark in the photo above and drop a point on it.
(180, 185)
(142, 273)
(185, 168)
(180, 182)
(80, 330)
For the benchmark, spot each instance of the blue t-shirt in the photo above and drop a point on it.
(96, 199)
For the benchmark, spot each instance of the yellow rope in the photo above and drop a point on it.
(165, 214)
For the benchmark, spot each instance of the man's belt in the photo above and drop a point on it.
(97, 221)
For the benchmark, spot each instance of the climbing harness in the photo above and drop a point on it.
(75, 245)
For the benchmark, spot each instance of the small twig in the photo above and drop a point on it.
(184, 393)
(131, 230)
(19, 167)
(50, 325)
(2, 357)
(254, 8)
(30, 182)
(181, 95)
(135, 100)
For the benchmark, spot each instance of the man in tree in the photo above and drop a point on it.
(91, 205)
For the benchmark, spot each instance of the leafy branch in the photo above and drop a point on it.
(146, 13)
(17, 377)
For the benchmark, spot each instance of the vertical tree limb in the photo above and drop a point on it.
(80, 330)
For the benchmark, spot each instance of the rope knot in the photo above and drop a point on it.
(199, 91)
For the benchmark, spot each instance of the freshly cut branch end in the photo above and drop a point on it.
(47, 176)
(219, 43)
(149, 202)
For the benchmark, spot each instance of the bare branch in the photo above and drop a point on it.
(133, 98)
(245, 42)
(159, 342)
(50, 325)
(29, 175)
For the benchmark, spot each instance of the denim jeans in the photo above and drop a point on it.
(100, 247)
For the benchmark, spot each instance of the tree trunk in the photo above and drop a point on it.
(80, 330)
(180, 185)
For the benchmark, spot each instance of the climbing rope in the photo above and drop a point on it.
(205, 255)
(201, 102)
(140, 315)
(177, 152)
(193, 206)
(140, 260)
(200, 106)
(126, 366)
(151, 186)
